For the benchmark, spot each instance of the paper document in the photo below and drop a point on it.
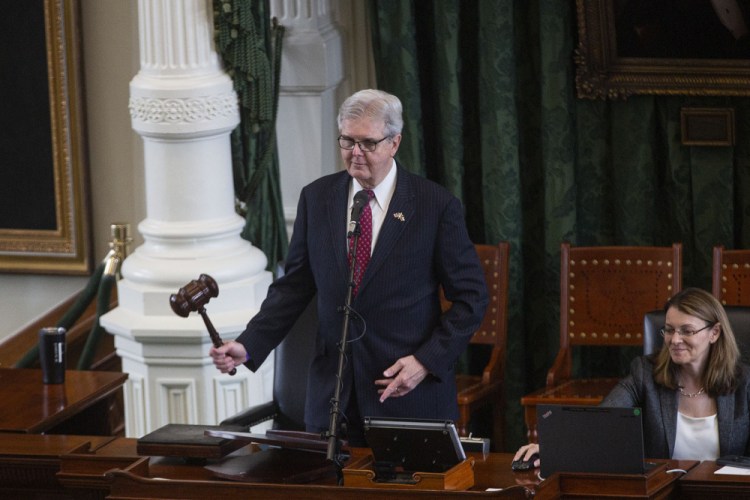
(738, 471)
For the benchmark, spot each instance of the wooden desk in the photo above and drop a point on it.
(160, 477)
(143, 481)
(95, 467)
(164, 477)
(660, 482)
(588, 392)
(29, 463)
(701, 482)
(82, 405)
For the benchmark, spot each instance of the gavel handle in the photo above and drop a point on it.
(213, 333)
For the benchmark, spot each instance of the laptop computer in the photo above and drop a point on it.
(590, 439)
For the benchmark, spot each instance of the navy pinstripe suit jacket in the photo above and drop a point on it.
(424, 247)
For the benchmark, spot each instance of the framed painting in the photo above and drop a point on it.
(662, 47)
(44, 202)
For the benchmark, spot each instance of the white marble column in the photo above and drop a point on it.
(311, 70)
(184, 107)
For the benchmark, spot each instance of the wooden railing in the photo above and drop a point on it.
(15, 347)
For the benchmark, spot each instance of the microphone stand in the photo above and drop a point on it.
(334, 443)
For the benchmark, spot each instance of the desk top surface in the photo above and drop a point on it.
(490, 471)
(30, 406)
(113, 463)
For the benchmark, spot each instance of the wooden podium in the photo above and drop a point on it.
(361, 473)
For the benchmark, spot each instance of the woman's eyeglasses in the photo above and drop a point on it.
(668, 331)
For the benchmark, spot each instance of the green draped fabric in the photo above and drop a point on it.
(250, 46)
(491, 112)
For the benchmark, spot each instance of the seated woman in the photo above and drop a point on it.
(694, 393)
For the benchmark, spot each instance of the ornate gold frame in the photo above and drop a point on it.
(602, 74)
(67, 248)
(707, 126)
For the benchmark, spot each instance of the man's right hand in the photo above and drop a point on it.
(228, 356)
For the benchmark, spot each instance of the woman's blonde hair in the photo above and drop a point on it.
(722, 368)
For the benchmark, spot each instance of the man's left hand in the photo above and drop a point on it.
(401, 378)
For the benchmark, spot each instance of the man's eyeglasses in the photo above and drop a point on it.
(668, 331)
(366, 145)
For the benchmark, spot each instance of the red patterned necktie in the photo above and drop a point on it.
(365, 242)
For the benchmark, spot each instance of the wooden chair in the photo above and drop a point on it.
(731, 276)
(476, 391)
(292, 358)
(604, 293)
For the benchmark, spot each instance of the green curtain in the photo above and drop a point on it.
(491, 112)
(250, 45)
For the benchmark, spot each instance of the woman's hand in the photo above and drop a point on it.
(525, 453)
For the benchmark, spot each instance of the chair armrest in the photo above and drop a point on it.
(254, 415)
(561, 368)
(495, 369)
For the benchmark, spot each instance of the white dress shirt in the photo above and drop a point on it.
(697, 438)
(379, 205)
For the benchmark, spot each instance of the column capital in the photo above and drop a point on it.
(312, 55)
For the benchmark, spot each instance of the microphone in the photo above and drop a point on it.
(360, 200)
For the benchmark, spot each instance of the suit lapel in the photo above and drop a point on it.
(399, 215)
(725, 411)
(669, 402)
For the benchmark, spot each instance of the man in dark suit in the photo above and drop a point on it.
(401, 349)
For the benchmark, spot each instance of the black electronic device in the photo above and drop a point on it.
(402, 445)
(734, 461)
(590, 439)
(522, 465)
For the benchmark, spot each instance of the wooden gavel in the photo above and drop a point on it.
(193, 297)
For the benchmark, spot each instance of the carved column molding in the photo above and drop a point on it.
(184, 107)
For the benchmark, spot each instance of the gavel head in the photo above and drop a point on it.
(193, 296)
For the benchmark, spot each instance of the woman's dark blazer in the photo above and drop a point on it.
(422, 245)
(659, 406)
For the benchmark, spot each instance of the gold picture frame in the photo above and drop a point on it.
(707, 126)
(45, 217)
(609, 66)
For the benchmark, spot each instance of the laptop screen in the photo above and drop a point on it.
(590, 439)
